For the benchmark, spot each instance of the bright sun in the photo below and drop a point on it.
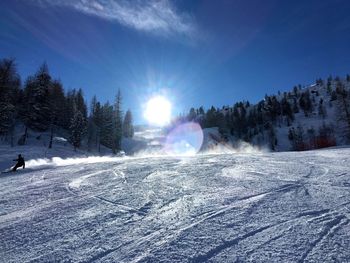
(158, 111)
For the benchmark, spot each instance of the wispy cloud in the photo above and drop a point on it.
(154, 16)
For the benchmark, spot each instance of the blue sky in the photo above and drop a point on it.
(195, 52)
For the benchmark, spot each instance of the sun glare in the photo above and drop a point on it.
(158, 111)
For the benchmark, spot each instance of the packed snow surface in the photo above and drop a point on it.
(232, 207)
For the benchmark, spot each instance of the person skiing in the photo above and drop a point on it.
(20, 163)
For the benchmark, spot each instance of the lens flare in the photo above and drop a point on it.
(185, 139)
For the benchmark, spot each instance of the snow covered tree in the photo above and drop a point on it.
(74, 101)
(92, 129)
(80, 102)
(77, 129)
(272, 108)
(107, 126)
(210, 118)
(238, 121)
(97, 117)
(128, 127)
(57, 102)
(69, 108)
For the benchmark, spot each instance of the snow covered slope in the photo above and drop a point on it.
(305, 118)
(261, 207)
(314, 121)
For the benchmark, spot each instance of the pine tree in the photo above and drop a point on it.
(80, 103)
(77, 129)
(201, 111)
(210, 118)
(128, 128)
(56, 105)
(237, 123)
(305, 103)
(118, 123)
(57, 102)
(287, 111)
(68, 111)
(91, 133)
(201, 116)
(107, 126)
(36, 111)
(192, 114)
(272, 108)
(221, 123)
(92, 129)
(97, 117)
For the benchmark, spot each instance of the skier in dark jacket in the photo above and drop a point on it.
(20, 163)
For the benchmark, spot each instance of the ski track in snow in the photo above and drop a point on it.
(271, 207)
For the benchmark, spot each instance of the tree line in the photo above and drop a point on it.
(257, 123)
(42, 104)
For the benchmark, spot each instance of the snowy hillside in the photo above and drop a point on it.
(321, 101)
(257, 207)
(304, 118)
